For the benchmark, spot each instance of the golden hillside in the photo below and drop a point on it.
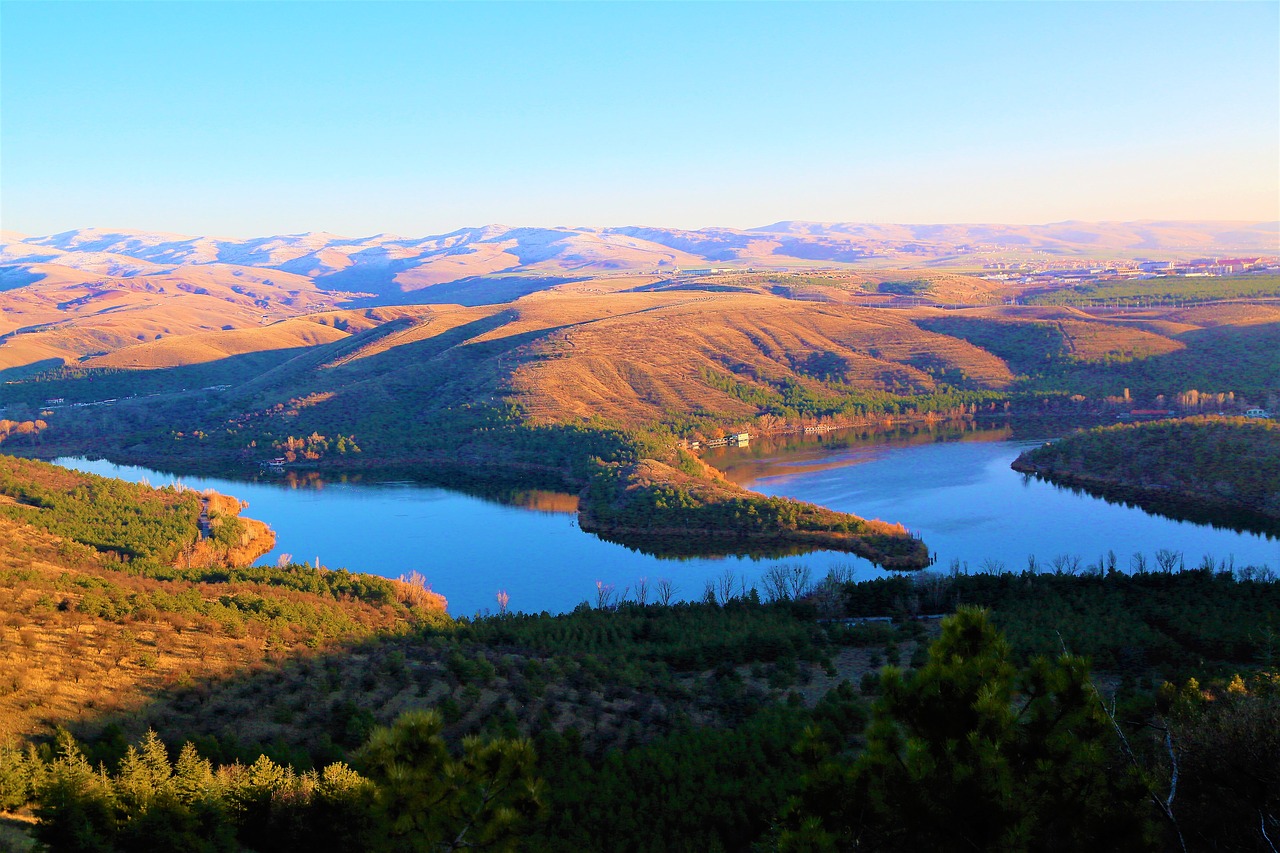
(90, 633)
(72, 315)
(642, 361)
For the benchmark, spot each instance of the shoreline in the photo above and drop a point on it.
(1179, 504)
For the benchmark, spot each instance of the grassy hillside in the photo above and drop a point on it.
(75, 315)
(874, 287)
(1159, 352)
(108, 593)
(653, 362)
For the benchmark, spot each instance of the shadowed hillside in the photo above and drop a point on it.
(1200, 463)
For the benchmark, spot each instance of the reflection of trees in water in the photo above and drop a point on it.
(922, 432)
(700, 546)
(540, 494)
(744, 465)
(1194, 510)
(544, 501)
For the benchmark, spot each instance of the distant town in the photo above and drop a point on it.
(1058, 271)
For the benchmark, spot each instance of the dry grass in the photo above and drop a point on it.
(1226, 314)
(638, 365)
(80, 313)
(59, 665)
(203, 347)
(15, 833)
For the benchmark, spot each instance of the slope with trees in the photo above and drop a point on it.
(1232, 463)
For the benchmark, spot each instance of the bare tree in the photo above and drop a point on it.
(727, 586)
(800, 581)
(774, 581)
(665, 590)
(841, 573)
(503, 599)
(1169, 560)
(828, 598)
(1138, 563)
(604, 595)
(1066, 564)
(934, 588)
(642, 591)
(414, 591)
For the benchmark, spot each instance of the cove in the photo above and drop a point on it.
(954, 487)
(468, 547)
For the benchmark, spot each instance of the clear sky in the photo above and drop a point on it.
(240, 119)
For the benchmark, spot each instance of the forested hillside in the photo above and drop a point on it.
(1230, 462)
(715, 726)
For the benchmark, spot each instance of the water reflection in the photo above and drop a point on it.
(955, 488)
(542, 501)
(1174, 507)
(952, 485)
(524, 541)
(536, 499)
(794, 454)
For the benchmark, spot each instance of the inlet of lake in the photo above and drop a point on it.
(951, 486)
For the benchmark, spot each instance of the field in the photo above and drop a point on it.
(1169, 291)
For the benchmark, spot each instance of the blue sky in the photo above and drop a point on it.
(240, 119)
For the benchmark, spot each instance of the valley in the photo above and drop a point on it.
(603, 386)
(595, 375)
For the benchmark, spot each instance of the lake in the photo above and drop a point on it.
(953, 487)
(956, 489)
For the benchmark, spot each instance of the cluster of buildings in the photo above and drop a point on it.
(737, 439)
(1060, 271)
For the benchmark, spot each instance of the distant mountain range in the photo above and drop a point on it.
(393, 267)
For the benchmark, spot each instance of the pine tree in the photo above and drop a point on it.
(970, 753)
(432, 801)
(77, 807)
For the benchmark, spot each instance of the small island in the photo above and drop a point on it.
(1227, 464)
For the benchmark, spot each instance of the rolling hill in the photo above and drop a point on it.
(577, 359)
(389, 265)
(70, 315)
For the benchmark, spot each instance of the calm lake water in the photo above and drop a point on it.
(954, 488)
